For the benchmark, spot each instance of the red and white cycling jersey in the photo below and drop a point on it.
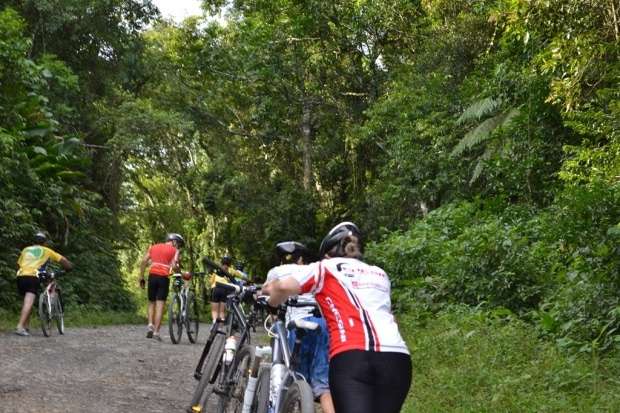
(355, 300)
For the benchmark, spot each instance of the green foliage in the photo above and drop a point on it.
(559, 265)
(46, 181)
(467, 360)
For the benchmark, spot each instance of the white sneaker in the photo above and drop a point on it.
(22, 332)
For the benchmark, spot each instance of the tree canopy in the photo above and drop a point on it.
(476, 142)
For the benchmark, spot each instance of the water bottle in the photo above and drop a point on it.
(250, 389)
(275, 382)
(229, 349)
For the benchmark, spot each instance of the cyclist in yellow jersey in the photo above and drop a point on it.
(219, 293)
(32, 260)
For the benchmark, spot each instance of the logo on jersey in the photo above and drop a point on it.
(35, 252)
(339, 322)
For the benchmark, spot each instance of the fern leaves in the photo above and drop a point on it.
(483, 131)
(479, 109)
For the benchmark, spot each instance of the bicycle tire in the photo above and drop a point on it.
(44, 314)
(232, 402)
(298, 398)
(175, 322)
(59, 313)
(192, 320)
(204, 388)
(260, 403)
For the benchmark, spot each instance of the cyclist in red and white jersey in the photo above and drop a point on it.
(370, 366)
(162, 258)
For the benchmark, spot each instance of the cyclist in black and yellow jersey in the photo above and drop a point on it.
(219, 292)
(33, 259)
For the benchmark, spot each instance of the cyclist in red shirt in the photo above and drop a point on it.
(370, 366)
(163, 259)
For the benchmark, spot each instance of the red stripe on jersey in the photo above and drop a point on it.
(369, 328)
(307, 286)
(346, 328)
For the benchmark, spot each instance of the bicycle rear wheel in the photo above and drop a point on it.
(232, 402)
(203, 391)
(298, 398)
(175, 320)
(44, 314)
(58, 313)
(192, 318)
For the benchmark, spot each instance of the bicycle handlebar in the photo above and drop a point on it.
(51, 274)
(291, 302)
(239, 289)
(218, 268)
(180, 274)
(295, 302)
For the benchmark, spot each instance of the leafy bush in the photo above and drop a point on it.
(558, 266)
(468, 360)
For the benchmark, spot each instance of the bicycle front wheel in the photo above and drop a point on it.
(59, 313)
(298, 398)
(232, 402)
(44, 314)
(175, 319)
(192, 319)
(260, 403)
(204, 390)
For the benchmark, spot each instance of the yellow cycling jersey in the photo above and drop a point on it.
(34, 258)
(216, 278)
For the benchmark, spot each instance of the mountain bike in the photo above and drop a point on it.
(50, 302)
(223, 365)
(279, 388)
(183, 310)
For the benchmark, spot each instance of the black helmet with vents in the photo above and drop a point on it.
(337, 234)
(175, 237)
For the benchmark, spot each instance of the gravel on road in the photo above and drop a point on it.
(103, 369)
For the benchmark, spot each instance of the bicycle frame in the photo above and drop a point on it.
(234, 312)
(181, 292)
(281, 353)
(50, 290)
(50, 302)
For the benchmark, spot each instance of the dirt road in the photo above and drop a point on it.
(105, 369)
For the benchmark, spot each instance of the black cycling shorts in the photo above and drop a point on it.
(369, 382)
(219, 293)
(158, 287)
(26, 284)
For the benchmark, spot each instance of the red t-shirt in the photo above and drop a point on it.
(163, 257)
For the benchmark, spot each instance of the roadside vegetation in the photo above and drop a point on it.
(469, 360)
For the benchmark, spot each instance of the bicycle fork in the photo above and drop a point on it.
(205, 350)
(50, 291)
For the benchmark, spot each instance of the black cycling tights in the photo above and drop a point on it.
(369, 382)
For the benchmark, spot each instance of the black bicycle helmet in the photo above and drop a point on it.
(226, 260)
(337, 234)
(290, 251)
(40, 237)
(176, 237)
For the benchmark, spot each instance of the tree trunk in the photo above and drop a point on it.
(307, 133)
